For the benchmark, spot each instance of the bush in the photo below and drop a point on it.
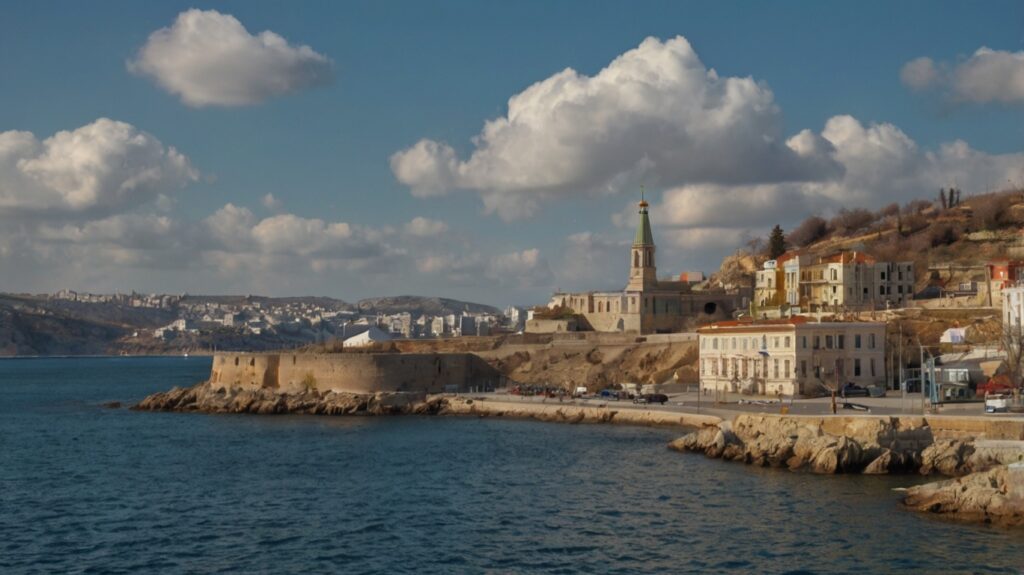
(809, 231)
(847, 222)
(943, 235)
(991, 211)
(916, 206)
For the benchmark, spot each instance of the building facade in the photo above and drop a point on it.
(846, 280)
(792, 356)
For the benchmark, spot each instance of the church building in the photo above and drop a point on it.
(647, 304)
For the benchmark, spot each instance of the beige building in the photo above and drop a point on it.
(846, 280)
(647, 304)
(791, 356)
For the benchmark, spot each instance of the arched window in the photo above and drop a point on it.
(636, 259)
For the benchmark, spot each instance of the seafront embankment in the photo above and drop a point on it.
(569, 412)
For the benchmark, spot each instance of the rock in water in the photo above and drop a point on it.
(993, 496)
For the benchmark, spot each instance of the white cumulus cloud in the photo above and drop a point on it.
(102, 167)
(655, 114)
(986, 76)
(210, 59)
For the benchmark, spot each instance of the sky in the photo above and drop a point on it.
(487, 151)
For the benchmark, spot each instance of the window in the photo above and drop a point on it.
(803, 367)
(803, 341)
(881, 290)
(786, 369)
(872, 367)
(871, 341)
(817, 342)
(764, 342)
(842, 341)
(714, 343)
(856, 341)
(745, 343)
(775, 368)
(746, 367)
(856, 367)
(828, 342)
(775, 342)
(734, 343)
(786, 342)
(835, 276)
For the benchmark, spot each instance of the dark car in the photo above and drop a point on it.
(854, 390)
(655, 398)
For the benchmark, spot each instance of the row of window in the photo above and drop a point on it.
(759, 367)
(837, 341)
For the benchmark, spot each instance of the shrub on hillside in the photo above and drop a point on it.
(889, 211)
(847, 222)
(943, 235)
(992, 211)
(809, 231)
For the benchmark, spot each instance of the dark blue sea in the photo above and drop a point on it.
(89, 489)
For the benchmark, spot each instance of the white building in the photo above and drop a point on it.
(1013, 307)
(368, 337)
(792, 356)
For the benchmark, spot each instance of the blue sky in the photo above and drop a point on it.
(512, 225)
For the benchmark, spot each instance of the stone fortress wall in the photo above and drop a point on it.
(353, 372)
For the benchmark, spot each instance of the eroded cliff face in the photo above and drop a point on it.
(871, 445)
(992, 496)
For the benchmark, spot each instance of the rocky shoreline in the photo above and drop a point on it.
(206, 398)
(994, 496)
(868, 445)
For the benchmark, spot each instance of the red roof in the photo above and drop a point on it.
(795, 320)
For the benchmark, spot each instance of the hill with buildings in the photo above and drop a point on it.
(950, 240)
(71, 323)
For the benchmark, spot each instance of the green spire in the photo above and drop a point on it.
(644, 237)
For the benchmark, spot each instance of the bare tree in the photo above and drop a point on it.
(1012, 342)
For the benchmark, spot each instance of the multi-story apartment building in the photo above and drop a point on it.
(791, 356)
(846, 280)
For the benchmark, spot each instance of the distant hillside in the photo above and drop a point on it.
(418, 305)
(40, 325)
(953, 230)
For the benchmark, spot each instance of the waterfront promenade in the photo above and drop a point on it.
(734, 404)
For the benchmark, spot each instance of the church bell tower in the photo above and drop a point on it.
(642, 271)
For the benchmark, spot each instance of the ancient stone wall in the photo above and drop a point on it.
(353, 372)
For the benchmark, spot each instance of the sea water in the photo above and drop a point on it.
(87, 488)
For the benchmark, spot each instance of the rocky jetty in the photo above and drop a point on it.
(207, 398)
(871, 445)
(992, 496)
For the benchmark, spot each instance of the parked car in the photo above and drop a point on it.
(655, 398)
(997, 403)
(853, 390)
(639, 399)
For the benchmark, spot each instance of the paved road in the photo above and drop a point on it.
(690, 403)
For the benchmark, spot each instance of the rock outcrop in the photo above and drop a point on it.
(993, 496)
(840, 445)
(207, 398)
